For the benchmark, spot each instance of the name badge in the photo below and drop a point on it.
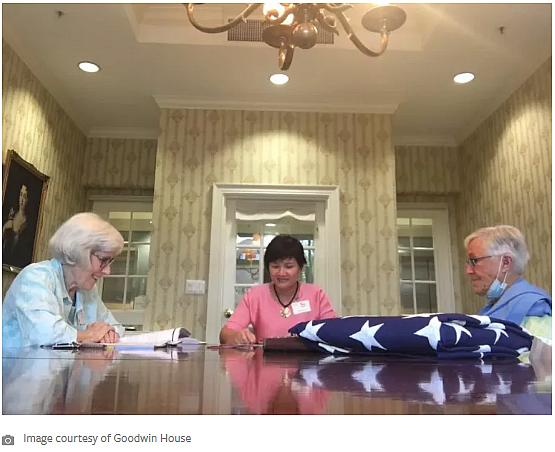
(300, 306)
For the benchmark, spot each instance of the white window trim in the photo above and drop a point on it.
(221, 257)
(444, 272)
(102, 203)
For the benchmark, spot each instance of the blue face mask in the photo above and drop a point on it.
(497, 287)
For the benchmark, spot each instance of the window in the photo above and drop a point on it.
(124, 290)
(424, 261)
(251, 242)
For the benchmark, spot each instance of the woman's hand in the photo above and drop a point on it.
(234, 337)
(95, 332)
(110, 337)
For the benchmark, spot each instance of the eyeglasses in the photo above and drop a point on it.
(472, 261)
(104, 261)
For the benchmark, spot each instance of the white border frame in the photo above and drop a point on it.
(439, 212)
(328, 275)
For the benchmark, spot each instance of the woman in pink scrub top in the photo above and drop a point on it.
(269, 310)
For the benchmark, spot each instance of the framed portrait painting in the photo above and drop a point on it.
(23, 194)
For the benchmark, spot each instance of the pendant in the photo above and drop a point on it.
(286, 312)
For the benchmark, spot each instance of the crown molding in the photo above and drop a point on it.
(171, 102)
(124, 132)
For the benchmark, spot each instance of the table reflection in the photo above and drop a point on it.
(229, 381)
(40, 381)
(286, 384)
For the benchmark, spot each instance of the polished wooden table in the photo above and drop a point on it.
(205, 380)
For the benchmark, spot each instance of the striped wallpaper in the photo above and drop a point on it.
(426, 169)
(35, 126)
(506, 165)
(199, 147)
(119, 163)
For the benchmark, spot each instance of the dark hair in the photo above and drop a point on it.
(283, 246)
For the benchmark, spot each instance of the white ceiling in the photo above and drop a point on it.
(151, 57)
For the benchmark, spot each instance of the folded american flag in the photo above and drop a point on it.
(445, 336)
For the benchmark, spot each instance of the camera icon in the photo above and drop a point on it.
(7, 440)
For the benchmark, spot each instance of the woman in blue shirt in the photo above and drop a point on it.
(56, 300)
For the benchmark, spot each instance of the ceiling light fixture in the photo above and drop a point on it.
(291, 25)
(279, 79)
(463, 77)
(89, 66)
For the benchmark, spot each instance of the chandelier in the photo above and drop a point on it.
(292, 25)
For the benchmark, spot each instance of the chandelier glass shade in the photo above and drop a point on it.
(292, 25)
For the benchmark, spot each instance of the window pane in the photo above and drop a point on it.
(424, 265)
(407, 306)
(248, 238)
(307, 274)
(247, 266)
(426, 300)
(423, 242)
(138, 264)
(404, 242)
(405, 265)
(119, 264)
(141, 226)
(136, 292)
(239, 292)
(268, 238)
(112, 292)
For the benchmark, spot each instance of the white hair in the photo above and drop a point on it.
(81, 235)
(503, 240)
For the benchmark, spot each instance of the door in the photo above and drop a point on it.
(425, 264)
(244, 220)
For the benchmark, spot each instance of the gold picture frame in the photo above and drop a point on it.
(23, 194)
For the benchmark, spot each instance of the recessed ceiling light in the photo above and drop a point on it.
(463, 77)
(279, 79)
(270, 225)
(88, 66)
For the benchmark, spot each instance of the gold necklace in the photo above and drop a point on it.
(285, 311)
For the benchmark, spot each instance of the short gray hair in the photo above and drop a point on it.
(503, 240)
(81, 235)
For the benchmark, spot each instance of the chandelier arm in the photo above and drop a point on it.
(324, 21)
(357, 42)
(280, 18)
(285, 55)
(336, 7)
(241, 17)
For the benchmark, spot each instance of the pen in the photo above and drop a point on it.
(63, 346)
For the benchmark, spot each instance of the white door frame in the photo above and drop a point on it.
(327, 273)
(443, 259)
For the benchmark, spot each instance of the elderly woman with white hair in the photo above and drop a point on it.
(56, 301)
(497, 257)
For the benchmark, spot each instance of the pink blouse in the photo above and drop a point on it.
(259, 308)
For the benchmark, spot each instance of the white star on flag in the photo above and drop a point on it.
(498, 329)
(483, 349)
(310, 332)
(332, 349)
(412, 316)
(310, 376)
(458, 330)
(483, 319)
(435, 388)
(464, 388)
(366, 336)
(431, 331)
(367, 377)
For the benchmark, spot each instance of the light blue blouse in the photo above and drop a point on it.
(37, 308)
